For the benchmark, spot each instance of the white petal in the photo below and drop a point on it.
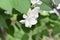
(33, 1)
(30, 26)
(36, 8)
(33, 22)
(36, 2)
(35, 12)
(58, 7)
(33, 15)
(56, 12)
(39, 2)
(30, 21)
(22, 21)
(24, 16)
(27, 23)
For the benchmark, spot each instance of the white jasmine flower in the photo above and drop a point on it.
(30, 18)
(54, 11)
(36, 2)
(34, 12)
(29, 21)
(58, 7)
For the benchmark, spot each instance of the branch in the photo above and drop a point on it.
(55, 6)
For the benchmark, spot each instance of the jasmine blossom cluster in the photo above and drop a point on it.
(32, 15)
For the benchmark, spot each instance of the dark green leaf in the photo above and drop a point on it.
(56, 30)
(2, 21)
(25, 37)
(46, 5)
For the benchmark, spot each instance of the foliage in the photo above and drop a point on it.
(17, 31)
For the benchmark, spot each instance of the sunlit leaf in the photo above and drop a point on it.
(21, 5)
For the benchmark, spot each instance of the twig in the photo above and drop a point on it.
(3, 33)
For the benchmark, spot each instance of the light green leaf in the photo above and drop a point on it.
(45, 13)
(25, 37)
(2, 21)
(21, 5)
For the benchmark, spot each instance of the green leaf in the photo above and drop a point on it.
(25, 37)
(56, 30)
(53, 16)
(57, 1)
(21, 5)
(46, 5)
(6, 5)
(18, 33)
(36, 36)
(45, 32)
(10, 30)
(2, 21)
(45, 20)
(9, 37)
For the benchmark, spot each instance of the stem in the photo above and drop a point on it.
(54, 6)
(30, 35)
(3, 33)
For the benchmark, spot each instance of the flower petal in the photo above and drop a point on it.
(27, 23)
(34, 13)
(36, 2)
(24, 16)
(22, 21)
(33, 22)
(39, 2)
(58, 7)
(56, 12)
(33, 1)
